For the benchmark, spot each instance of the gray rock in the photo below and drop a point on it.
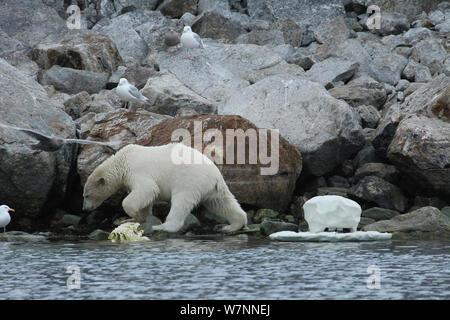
(332, 191)
(384, 171)
(73, 81)
(191, 222)
(444, 27)
(436, 17)
(74, 106)
(415, 34)
(416, 72)
(9, 45)
(188, 18)
(338, 182)
(402, 85)
(364, 221)
(430, 53)
(167, 95)
(377, 214)
(423, 223)
(31, 22)
(393, 23)
(332, 70)
(68, 220)
(333, 31)
(446, 211)
(299, 108)
(217, 21)
(365, 155)
(121, 30)
(362, 90)
(302, 57)
(264, 214)
(376, 190)
(98, 235)
(176, 8)
(261, 38)
(369, 116)
(388, 67)
(412, 87)
(32, 177)
(446, 70)
(292, 32)
(268, 227)
(150, 221)
(429, 201)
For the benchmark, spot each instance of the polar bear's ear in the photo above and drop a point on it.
(101, 182)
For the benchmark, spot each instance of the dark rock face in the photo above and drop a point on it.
(380, 192)
(33, 181)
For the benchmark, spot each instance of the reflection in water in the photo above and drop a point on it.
(234, 268)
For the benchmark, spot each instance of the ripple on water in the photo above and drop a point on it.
(226, 269)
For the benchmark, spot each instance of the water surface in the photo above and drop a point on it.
(234, 268)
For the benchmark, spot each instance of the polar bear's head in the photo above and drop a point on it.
(99, 186)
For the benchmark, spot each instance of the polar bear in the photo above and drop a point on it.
(157, 173)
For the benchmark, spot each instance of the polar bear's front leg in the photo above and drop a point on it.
(181, 205)
(139, 202)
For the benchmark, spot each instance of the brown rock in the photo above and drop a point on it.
(244, 180)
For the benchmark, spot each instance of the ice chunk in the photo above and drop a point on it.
(331, 212)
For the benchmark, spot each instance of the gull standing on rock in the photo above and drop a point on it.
(52, 143)
(4, 216)
(171, 39)
(191, 40)
(129, 93)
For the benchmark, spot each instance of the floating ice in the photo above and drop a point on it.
(331, 212)
(329, 236)
(128, 232)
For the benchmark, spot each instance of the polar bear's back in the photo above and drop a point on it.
(174, 167)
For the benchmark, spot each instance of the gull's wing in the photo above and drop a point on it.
(135, 93)
(198, 39)
(81, 141)
(37, 135)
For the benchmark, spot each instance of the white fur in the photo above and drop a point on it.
(150, 174)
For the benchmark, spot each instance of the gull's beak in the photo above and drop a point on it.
(11, 209)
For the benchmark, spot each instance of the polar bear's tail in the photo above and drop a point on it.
(223, 203)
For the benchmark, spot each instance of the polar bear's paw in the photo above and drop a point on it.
(231, 228)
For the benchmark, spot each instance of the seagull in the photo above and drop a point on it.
(191, 40)
(4, 216)
(129, 93)
(171, 39)
(52, 143)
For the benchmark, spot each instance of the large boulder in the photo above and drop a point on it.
(430, 53)
(176, 8)
(167, 95)
(219, 70)
(426, 222)
(32, 181)
(244, 180)
(73, 81)
(421, 149)
(31, 22)
(363, 90)
(327, 131)
(83, 50)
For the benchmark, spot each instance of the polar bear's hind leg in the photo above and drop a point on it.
(229, 208)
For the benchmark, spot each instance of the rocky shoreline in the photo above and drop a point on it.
(362, 114)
